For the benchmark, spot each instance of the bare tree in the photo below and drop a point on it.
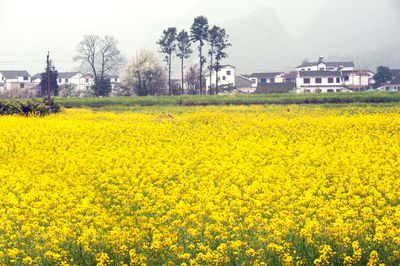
(103, 56)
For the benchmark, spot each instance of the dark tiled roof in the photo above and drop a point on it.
(265, 75)
(37, 76)
(275, 87)
(396, 80)
(66, 75)
(307, 64)
(320, 73)
(336, 64)
(243, 82)
(328, 64)
(13, 74)
(292, 74)
(395, 72)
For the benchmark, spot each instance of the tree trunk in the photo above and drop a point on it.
(169, 74)
(182, 75)
(201, 71)
(216, 77)
(211, 69)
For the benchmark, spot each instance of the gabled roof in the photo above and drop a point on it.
(396, 80)
(14, 74)
(265, 75)
(328, 64)
(320, 73)
(291, 74)
(67, 75)
(37, 76)
(336, 64)
(395, 72)
(307, 64)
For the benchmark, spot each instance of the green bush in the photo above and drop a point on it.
(36, 106)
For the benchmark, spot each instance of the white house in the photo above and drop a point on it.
(81, 83)
(267, 77)
(394, 85)
(319, 81)
(15, 79)
(357, 80)
(226, 76)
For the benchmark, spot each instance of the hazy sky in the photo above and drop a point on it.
(28, 29)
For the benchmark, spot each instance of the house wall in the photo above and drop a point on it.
(222, 73)
(324, 82)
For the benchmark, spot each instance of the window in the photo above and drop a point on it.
(22, 85)
(318, 90)
(308, 69)
(331, 90)
(228, 73)
(307, 80)
(318, 80)
(321, 68)
(116, 79)
(346, 78)
(263, 80)
(303, 69)
(223, 78)
(337, 80)
(87, 80)
(66, 80)
(338, 90)
(253, 81)
(59, 80)
(25, 78)
(272, 80)
(330, 80)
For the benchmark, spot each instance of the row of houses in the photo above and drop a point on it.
(309, 77)
(79, 84)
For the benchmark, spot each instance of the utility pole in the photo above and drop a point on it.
(48, 78)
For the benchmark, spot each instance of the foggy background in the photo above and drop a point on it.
(266, 35)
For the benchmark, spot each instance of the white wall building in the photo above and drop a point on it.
(226, 76)
(319, 81)
(15, 79)
(267, 77)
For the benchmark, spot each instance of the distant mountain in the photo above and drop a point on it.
(366, 30)
(259, 42)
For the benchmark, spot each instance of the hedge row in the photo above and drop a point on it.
(35, 106)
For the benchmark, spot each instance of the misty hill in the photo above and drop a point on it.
(364, 30)
(259, 42)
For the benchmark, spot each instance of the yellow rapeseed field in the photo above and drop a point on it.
(220, 186)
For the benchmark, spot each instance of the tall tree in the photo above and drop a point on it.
(199, 33)
(220, 45)
(213, 35)
(184, 50)
(168, 46)
(103, 56)
(44, 84)
(382, 75)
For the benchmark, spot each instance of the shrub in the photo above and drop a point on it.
(35, 106)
